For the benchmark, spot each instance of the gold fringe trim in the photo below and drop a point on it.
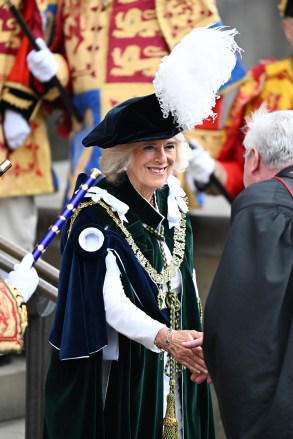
(21, 103)
(16, 318)
(21, 87)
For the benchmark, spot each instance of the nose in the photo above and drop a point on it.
(160, 154)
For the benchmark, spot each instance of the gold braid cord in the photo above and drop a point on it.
(76, 212)
(170, 422)
(178, 253)
(171, 301)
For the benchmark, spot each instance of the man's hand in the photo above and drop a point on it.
(16, 129)
(195, 345)
(42, 64)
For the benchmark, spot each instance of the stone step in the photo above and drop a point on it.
(12, 385)
(13, 429)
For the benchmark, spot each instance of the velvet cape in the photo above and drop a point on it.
(248, 317)
(134, 401)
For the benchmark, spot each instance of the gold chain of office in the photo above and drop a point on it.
(178, 252)
(168, 271)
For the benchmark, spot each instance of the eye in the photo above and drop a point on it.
(149, 147)
(170, 147)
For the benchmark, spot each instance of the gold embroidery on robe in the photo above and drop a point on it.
(136, 22)
(130, 61)
(177, 17)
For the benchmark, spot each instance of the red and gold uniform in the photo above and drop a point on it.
(31, 172)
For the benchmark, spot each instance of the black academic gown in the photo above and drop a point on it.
(248, 323)
(134, 399)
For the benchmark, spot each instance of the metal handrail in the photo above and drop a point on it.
(45, 289)
(45, 270)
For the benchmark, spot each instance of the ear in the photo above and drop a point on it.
(255, 160)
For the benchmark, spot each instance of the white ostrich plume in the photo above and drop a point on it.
(188, 79)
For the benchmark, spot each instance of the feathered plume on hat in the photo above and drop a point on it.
(186, 86)
(188, 79)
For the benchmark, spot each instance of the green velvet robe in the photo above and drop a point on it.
(134, 400)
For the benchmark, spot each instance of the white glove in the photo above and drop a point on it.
(24, 277)
(16, 129)
(201, 164)
(42, 64)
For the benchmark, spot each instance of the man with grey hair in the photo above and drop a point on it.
(248, 318)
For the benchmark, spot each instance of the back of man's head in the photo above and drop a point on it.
(271, 133)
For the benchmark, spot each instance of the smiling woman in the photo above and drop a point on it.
(126, 302)
(150, 165)
(116, 160)
(147, 164)
(134, 299)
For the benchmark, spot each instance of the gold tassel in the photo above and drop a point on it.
(170, 422)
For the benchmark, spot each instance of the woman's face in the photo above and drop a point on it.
(151, 164)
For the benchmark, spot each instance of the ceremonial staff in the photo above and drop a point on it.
(66, 213)
(216, 182)
(54, 80)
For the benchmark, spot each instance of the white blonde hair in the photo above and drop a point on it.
(271, 134)
(115, 161)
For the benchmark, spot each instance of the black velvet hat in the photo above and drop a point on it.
(286, 8)
(134, 120)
